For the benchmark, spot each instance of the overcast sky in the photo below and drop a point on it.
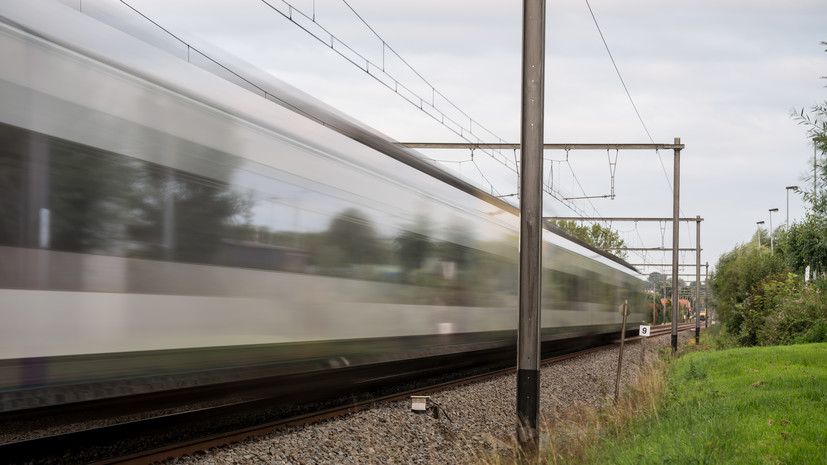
(722, 75)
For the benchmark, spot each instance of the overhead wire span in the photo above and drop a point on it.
(427, 105)
(628, 94)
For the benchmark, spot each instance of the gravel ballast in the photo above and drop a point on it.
(479, 416)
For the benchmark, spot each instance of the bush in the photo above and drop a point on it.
(750, 318)
(793, 312)
(818, 333)
(737, 274)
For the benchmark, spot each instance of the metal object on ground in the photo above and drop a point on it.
(419, 404)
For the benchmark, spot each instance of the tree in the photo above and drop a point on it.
(656, 280)
(816, 123)
(736, 274)
(595, 235)
(806, 245)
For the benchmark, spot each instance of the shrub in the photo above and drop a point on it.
(792, 312)
(817, 333)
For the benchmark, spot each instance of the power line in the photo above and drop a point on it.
(628, 94)
(428, 105)
(632, 101)
(626, 89)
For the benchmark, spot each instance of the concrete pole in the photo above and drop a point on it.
(698, 283)
(676, 208)
(706, 295)
(531, 219)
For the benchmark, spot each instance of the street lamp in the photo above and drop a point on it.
(771, 243)
(789, 188)
(759, 223)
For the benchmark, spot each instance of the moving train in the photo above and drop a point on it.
(160, 214)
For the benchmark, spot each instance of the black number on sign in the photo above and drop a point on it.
(643, 330)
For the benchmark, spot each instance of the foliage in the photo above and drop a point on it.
(759, 299)
(658, 313)
(595, 235)
(816, 123)
(801, 317)
(806, 244)
(761, 305)
(737, 273)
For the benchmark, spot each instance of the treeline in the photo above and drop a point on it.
(775, 294)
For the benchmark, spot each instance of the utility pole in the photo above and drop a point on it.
(531, 225)
(676, 206)
(698, 284)
(706, 295)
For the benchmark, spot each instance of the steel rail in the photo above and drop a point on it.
(229, 423)
(221, 440)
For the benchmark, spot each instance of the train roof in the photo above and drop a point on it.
(247, 76)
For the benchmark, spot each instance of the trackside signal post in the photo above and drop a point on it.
(531, 224)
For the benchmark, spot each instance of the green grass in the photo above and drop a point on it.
(762, 405)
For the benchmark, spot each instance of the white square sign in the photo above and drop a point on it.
(644, 330)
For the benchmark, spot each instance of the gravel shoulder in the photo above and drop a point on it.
(482, 416)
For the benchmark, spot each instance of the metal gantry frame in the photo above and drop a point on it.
(675, 249)
(531, 187)
(531, 210)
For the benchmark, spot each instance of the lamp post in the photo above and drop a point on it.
(772, 210)
(789, 188)
(758, 225)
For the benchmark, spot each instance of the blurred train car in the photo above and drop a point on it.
(156, 218)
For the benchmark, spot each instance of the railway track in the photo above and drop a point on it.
(217, 426)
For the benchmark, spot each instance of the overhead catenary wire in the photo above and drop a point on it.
(265, 93)
(466, 133)
(426, 104)
(628, 94)
(634, 106)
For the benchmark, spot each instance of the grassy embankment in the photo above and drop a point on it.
(738, 406)
(761, 405)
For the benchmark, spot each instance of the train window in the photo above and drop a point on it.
(70, 197)
(64, 196)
